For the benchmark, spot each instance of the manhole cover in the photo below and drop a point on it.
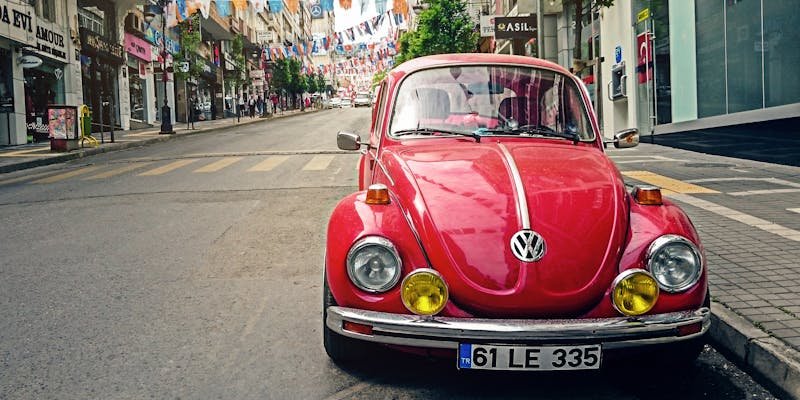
(708, 165)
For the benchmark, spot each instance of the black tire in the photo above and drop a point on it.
(341, 349)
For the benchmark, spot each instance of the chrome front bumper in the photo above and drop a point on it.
(447, 333)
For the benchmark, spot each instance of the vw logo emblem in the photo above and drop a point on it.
(528, 245)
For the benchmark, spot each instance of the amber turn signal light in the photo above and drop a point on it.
(648, 195)
(377, 194)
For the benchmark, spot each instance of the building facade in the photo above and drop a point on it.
(39, 66)
(703, 64)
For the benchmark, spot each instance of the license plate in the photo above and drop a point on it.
(528, 358)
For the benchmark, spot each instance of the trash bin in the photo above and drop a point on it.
(85, 115)
(63, 127)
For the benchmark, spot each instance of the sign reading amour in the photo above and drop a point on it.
(515, 27)
(50, 42)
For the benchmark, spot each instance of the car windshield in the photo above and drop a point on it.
(490, 100)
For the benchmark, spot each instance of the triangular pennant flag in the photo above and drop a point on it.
(258, 5)
(205, 7)
(181, 4)
(346, 4)
(400, 7)
(275, 6)
(327, 5)
(240, 5)
(364, 6)
(223, 8)
(172, 13)
(293, 6)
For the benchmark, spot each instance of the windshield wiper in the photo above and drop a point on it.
(535, 130)
(430, 131)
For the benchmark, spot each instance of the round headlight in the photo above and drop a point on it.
(424, 292)
(675, 262)
(373, 264)
(635, 292)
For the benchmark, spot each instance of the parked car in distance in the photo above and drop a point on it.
(362, 99)
(335, 102)
(491, 228)
(345, 102)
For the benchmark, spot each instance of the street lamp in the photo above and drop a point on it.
(149, 15)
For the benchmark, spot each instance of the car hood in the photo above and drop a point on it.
(464, 203)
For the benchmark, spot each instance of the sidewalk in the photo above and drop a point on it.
(748, 216)
(15, 158)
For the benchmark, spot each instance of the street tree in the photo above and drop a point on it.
(236, 78)
(377, 78)
(445, 27)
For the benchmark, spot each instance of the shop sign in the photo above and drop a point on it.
(264, 36)
(154, 36)
(97, 44)
(138, 48)
(17, 20)
(29, 61)
(487, 25)
(58, 73)
(643, 15)
(515, 27)
(316, 10)
(50, 42)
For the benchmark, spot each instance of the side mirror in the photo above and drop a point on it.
(348, 141)
(626, 138)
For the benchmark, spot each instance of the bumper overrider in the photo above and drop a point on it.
(447, 333)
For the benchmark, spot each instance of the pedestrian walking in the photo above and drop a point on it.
(251, 105)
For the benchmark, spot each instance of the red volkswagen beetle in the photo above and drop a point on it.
(492, 228)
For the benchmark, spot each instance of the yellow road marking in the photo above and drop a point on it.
(269, 164)
(318, 163)
(167, 168)
(67, 175)
(218, 165)
(668, 185)
(117, 171)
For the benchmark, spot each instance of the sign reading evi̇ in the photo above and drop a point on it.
(515, 27)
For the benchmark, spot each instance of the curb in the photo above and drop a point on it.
(86, 152)
(765, 356)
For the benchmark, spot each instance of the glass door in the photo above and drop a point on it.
(645, 74)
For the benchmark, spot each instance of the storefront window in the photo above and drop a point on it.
(781, 52)
(710, 42)
(44, 86)
(136, 86)
(744, 47)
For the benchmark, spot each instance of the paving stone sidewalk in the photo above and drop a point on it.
(748, 217)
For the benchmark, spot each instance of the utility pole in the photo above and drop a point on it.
(540, 28)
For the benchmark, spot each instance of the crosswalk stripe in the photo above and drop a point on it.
(167, 168)
(66, 175)
(666, 183)
(117, 171)
(28, 177)
(218, 165)
(318, 163)
(269, 164)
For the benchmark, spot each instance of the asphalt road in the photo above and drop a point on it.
(192, 269)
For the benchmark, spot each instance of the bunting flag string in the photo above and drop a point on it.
(240, 5)
(293, 6)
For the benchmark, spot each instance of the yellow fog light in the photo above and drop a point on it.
(424, 292)
(635, 292)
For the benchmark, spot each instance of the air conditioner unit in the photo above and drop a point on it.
(134, 24)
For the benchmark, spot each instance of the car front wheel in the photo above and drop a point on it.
(341, 349)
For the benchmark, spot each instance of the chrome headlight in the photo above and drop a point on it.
(373, 264)
(675, 262)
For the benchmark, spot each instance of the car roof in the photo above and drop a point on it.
(473, 58)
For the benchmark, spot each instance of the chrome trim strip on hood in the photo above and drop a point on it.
(519, 190)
